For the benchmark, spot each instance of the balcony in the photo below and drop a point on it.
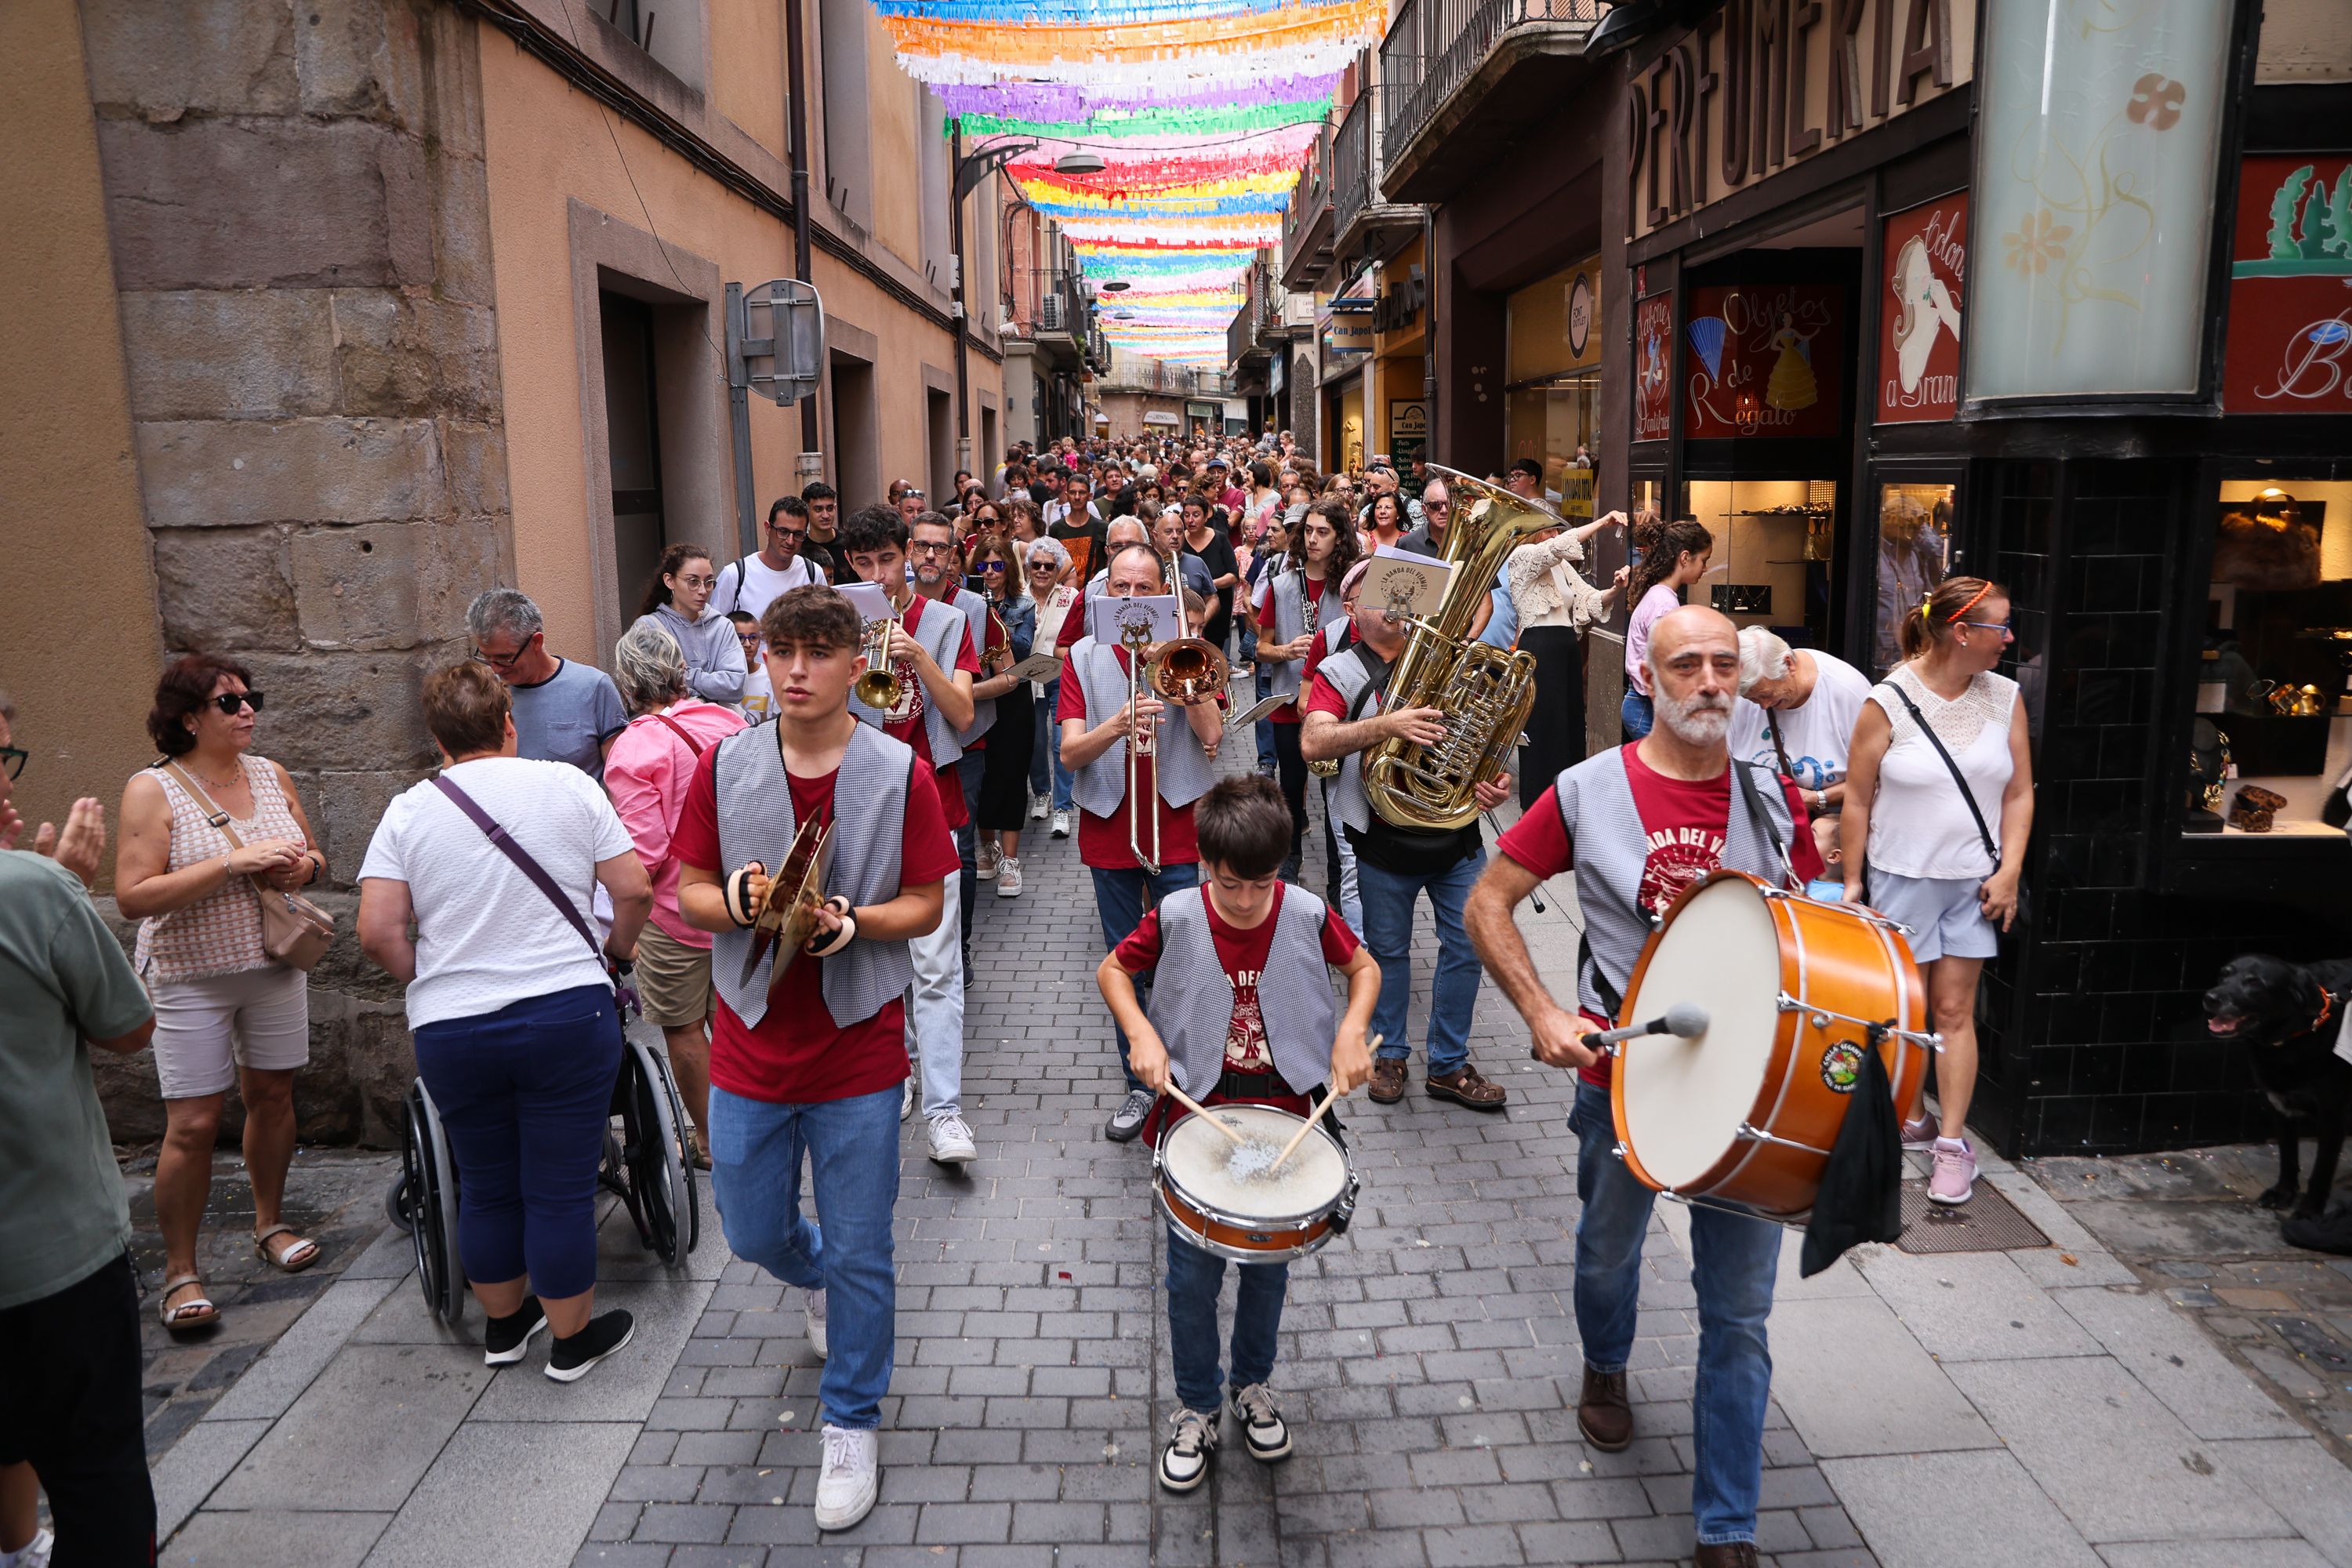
(1362, 223)
(1464, 80)
(1306, 225)
(1064, 323)
(1257, 326)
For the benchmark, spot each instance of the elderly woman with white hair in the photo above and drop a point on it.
(1049, 570)
(1796, 715)
(647, 771)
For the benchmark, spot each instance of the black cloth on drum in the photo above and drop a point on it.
(1555, 726)
(1862, 1187)
(1003, 804)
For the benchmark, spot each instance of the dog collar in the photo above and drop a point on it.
(2327, 1011)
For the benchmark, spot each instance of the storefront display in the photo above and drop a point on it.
(1551, 371)
(1914, 553)
(1774, 550)
(1766, 360)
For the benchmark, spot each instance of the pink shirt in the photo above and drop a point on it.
(646, 772)
(1659, 601)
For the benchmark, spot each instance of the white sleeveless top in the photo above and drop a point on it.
(1920, 826)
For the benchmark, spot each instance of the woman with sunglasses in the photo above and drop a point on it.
(204, 830)
(1004, 774)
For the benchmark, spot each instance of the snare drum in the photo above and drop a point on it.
(1795, 991)
(1272, 1218)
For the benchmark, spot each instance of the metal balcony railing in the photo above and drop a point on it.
(1310, 196)
(1435, 46)
(1351, 163)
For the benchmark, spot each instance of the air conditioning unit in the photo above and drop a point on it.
(1050, 311)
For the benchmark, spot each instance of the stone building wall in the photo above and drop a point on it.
(298, 215)
(1304, 395)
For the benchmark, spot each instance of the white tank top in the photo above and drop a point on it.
(1920, 826)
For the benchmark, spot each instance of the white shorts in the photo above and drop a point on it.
(1942, 912)
(206, 1029)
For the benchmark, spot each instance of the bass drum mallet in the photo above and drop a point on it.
(1684, 1020)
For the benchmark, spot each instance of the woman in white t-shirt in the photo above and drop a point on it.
(517, 1037)
(1913, 843)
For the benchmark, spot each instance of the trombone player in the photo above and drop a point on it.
(1135, 804)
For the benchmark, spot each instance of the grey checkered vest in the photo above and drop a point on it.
(940, 631)
(1178, 761)
(1290, 624)
(1192, 1001)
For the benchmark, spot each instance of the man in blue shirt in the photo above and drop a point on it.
(564, 711)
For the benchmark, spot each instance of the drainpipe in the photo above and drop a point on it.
(810, 464)
(963, 320)
(1428, 331)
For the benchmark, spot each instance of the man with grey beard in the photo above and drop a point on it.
(1644, 823)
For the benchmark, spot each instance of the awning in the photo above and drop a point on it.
(1160, 416)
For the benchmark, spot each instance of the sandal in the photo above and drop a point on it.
(197, 1312)
(697, 1148)
(1388, 1079)
(1466, 1086)
(293, 1258)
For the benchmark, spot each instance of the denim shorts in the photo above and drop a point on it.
(1941, 911)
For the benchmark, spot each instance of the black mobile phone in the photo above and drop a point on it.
(976, 584)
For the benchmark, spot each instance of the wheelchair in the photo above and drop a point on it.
(646, 1165)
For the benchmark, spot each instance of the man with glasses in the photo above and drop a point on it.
(748, 586)
(564, 711)
(1434, 515)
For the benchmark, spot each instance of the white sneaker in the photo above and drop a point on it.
(852, 1476)
(952, 1140)
(33, 1553)
(1061, 824)
(1008, 876)
(816, 1321)
(986, 860)
(1191, 1439)
(907, 1097)
(1038, 806)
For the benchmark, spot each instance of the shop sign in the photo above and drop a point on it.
(1407, 431)
(1765, 360)
(2290, 345)
(1654, 367)
(1580, 309)
(1398, 308)
(1926, 259)
(1759, 85)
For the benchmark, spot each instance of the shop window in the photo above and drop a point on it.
(1557, 422)
(1914, 553)
(2272, 733)
(1551, 371)
(1775, 545)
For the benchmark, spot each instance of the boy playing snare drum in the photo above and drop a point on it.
(1249, 951)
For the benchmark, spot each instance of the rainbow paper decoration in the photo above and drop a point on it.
(1203, 110)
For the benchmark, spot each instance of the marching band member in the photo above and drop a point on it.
(1096, 721)
(1642, 823)
(812, 1067)
(1394, 866)
(1239, 1014)
(932, 546)
(1294, 607)
(931, 651)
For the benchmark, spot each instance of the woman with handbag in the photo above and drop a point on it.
(511, 999)
(214, 843)
(1940, 750)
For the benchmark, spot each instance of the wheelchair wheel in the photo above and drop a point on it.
(428, 1193)
(655, 1161)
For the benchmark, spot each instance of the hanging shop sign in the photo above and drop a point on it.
(1926, 259)
(1765, 360)
(1654, 367)
(1407, 431)
(1759, 85)
(2290, 345)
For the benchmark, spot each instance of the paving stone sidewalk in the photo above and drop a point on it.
(2042, 1406)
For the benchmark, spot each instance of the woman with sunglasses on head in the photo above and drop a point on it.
(677, 600)
(204, 831)
(1004, 774)
(1918, 851)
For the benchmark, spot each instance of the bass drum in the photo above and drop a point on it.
(1795, 992)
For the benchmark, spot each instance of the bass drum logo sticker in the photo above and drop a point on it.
(1842, 1066)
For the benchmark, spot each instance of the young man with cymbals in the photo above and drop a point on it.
(933, 652)
(810, 1064)
(1240, 1010)
(1642, 823)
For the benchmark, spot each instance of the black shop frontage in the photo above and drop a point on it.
(2134, 411)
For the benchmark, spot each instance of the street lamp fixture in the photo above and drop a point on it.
(1080, 164)
(1112, 286)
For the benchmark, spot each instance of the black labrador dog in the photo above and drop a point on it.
(2290, 1015)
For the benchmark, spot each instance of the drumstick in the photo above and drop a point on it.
(1301, 1136)
(1197, 1109)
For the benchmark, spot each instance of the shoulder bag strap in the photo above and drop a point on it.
(679, 731)
(1744, 782)
(1772, 725)
(1967, 796)
(522, 858)
(215, 818)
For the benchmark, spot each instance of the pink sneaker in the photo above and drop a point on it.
(1922, 1133)
(1954, 1178)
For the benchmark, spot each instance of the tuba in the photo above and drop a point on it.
(1484, 692)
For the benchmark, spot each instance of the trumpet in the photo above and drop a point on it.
(879, 687)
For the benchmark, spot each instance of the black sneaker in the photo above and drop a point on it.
(605, 1333)
(1128, 1120)
(506, 1339)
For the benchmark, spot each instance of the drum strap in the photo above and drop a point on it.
(1608, 992)
(1744, 782)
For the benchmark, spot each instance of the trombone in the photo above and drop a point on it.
(1136, 636)
(878, 685)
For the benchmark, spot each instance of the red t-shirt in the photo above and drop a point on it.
(1243, 953)
(905, 722)
(1289, 712)
(1686, 821)
(1103, 840)
(797, 1055)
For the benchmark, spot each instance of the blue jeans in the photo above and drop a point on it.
(1267, 757)
(969, 769)
(1051, 747)
(1045, 748)
(1194, 1277)
(1734, 1262)
(525, 1095)
(1119, 897)
(1635, 713)
(1388, 899)
(853, 1153)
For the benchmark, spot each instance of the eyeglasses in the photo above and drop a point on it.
(781, 532)
(230, 702)
(930, 547)
(503, 662)
(2007, 632)
(697, 581)
(12, 759)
